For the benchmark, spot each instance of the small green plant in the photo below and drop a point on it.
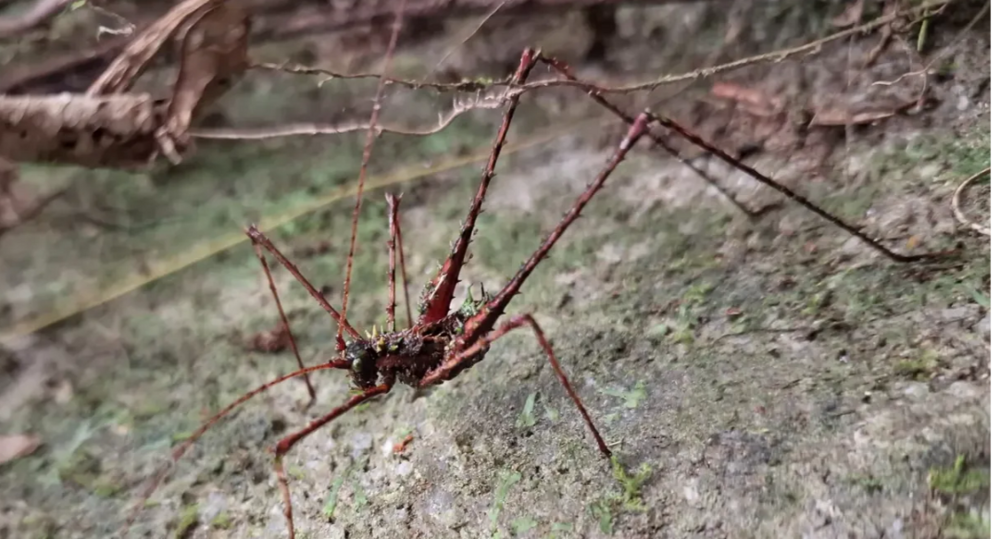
(187, 521)
(629, 499)
(631, 397)
(222, 521)
(507, 480)
(527, 417)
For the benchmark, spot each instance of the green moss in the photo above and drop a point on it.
(187, 521)
(222, 521)
(920, 368)
(968, 525)
(330, 507)
(631, 484)
(522, 525)
(959, 479)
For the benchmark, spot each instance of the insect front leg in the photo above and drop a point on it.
(289, 441)
(284, 320)
(262, 240)
(460, 357)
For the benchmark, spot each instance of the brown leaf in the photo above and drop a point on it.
(134, 59)
(844, 115)
(752, 101)
(15, 446)
(213, 55)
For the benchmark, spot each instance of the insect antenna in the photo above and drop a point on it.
(367, 153)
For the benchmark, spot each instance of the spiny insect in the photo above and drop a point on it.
(441, 344)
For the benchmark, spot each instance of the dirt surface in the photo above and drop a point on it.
(767, 377)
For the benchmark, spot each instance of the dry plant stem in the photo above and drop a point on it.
(366, 155)
(735, 163)
(479, 25)
(941, 54)
(286, 444)
(956, 203)
(284, 320)
(775, 56)
(390, 307)
(565, 70)
(311, 129)
(258, 238)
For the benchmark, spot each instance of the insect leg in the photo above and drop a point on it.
(288, 442)
(259, 238)
(434, 305)
(284, 320)
(441, 373)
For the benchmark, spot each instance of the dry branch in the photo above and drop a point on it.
(279, 19)
(107, 127)
(90, 131)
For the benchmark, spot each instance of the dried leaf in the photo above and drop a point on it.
(214, 56)
(133, 61)
(752, 101)
(844, 115)
(15, 446)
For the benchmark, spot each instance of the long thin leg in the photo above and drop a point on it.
(259, 238)
(179, 451)
(483, 321)
(660, 141)
(736, 163)
(441, 289)
(398, 233)
(390, 308)
(442, 372)
(284, 320)
(367, 153)
(287, 443)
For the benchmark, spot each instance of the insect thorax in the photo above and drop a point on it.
(409, 355)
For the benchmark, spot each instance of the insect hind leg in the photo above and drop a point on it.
(462, 359)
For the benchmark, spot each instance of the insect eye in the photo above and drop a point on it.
(357, 364)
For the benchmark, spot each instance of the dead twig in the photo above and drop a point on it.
(937, 57)
(956, 201)
(312, 129)
(774, 56)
